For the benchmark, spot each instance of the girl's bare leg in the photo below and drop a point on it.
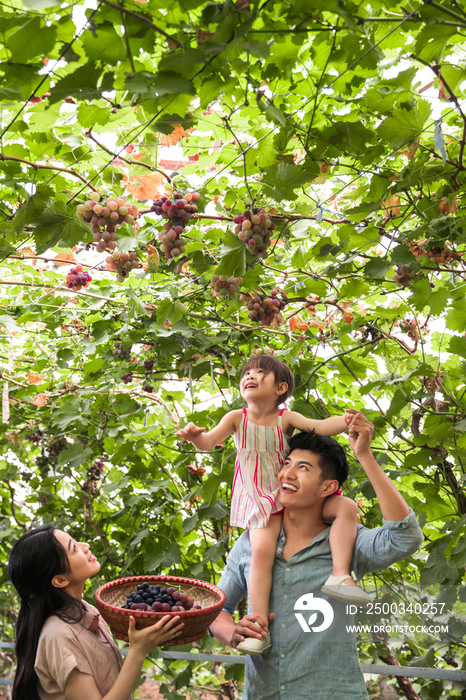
(263, 545)
(343, 512)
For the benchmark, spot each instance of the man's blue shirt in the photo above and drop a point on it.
(321, 665)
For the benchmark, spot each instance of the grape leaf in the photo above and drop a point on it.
(170, 310)
(55, 225)
(283, 178)
(32, 207)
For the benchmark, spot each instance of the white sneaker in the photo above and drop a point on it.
(335, 587)
(254, 646)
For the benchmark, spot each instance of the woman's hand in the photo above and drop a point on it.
(164, 630)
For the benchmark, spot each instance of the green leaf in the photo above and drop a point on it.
(44, 117)
(83, 83)
(427, 660)
(351, 137)
(142, 534)
(432, 40)
(257, 48)
(404, 126)
(457, 346)
(55, 225)
(10, 94)
(189, 524)
(40, 4)
(283, 178)
(89, 115)
(456, 316)
(377, 267)
(232, 256)
(170, 310)
(275, 115)
(31, 40)
(104, 44)
(32, 207)
(74, 455)
(185, 62)
(9, 323)
(65, 357)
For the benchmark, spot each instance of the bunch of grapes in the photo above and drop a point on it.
(50, 453)
(254, 230)
(77, 278)
(94, 475)
(55, 446)
(105, 218)
(119, 352)
(158, 599)
(226, 286)
(263, 311)
(127, 378)
(410, 327)
(122, 263)
(179, 211)
(35, 437)
(404, 275)
(257, 350)
(148, 366)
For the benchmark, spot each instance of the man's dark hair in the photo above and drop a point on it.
(282, 372)
(332, 458)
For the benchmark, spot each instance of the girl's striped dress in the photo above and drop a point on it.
(261, 453)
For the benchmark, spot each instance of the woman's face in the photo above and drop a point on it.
(83, 563)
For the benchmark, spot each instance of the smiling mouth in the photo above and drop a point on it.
(250, 385)
(92, 558)
(289, 487)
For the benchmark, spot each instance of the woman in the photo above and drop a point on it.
(64, 649)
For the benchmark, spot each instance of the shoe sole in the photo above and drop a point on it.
(255, 653)
(345, 598)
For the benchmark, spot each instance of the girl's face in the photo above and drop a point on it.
(82, 562)
(256, 384)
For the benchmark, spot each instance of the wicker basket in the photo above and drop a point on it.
(112, 595)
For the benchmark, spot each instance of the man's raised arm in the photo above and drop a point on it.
(392, 503)
(400, 536)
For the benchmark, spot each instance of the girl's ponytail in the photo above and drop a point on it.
(34, 560)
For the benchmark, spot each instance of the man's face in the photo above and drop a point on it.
(299, 481)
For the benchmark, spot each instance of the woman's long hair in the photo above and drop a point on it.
(34, 560)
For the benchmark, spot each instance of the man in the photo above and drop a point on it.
(322, 662)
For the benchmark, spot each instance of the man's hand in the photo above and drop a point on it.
(190, 433)
(247, 627)
(349, 413)
(360, 431)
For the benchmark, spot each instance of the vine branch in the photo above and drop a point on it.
(90, 135)
(40, 166)
(141, 18)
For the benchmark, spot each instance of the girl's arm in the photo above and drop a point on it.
(328, 426)
(206, 441)
(81, 685)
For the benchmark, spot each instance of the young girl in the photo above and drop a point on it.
(260, 434)
(64, 650)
